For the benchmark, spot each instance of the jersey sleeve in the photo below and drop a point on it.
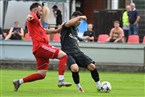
(63, 26)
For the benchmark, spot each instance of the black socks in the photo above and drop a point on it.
(95, 75)
(76, 77)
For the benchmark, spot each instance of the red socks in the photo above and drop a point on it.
(33, 77)
(62, 65)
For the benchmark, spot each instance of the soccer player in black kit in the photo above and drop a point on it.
(76, 58)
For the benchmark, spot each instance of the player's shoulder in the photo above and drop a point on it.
(64, 26)
(32, 14)
(68, 25)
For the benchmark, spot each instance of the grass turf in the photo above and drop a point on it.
(123, 85)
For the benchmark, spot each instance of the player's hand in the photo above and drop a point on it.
(84, 17)
(58, 30)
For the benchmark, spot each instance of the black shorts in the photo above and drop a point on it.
(80, 59)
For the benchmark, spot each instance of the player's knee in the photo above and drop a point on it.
(43, 76)
(42, 73)
(91, 67)
(74, 68)
(64, 57)
(62, 54)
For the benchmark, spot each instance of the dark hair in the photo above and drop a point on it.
(77, 13)
(34, 5)
(55, 6)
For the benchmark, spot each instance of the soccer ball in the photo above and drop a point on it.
(106, 86)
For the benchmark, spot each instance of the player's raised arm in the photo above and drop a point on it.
(75, 20)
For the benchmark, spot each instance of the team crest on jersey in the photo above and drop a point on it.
(73, 37)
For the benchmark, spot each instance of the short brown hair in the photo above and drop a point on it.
(34, 5)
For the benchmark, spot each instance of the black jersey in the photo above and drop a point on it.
(69, 39)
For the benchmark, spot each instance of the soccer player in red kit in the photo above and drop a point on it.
(42, 50)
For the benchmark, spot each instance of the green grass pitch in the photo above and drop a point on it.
(123, 85)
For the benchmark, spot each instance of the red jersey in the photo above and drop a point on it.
(37, 32)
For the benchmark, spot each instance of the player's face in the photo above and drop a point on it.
(39, 11)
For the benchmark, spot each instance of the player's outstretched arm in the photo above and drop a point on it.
(54, 31)
(74, 20)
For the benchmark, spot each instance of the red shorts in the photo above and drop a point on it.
(43, 54)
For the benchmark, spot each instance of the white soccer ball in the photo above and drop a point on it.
(106, 86)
